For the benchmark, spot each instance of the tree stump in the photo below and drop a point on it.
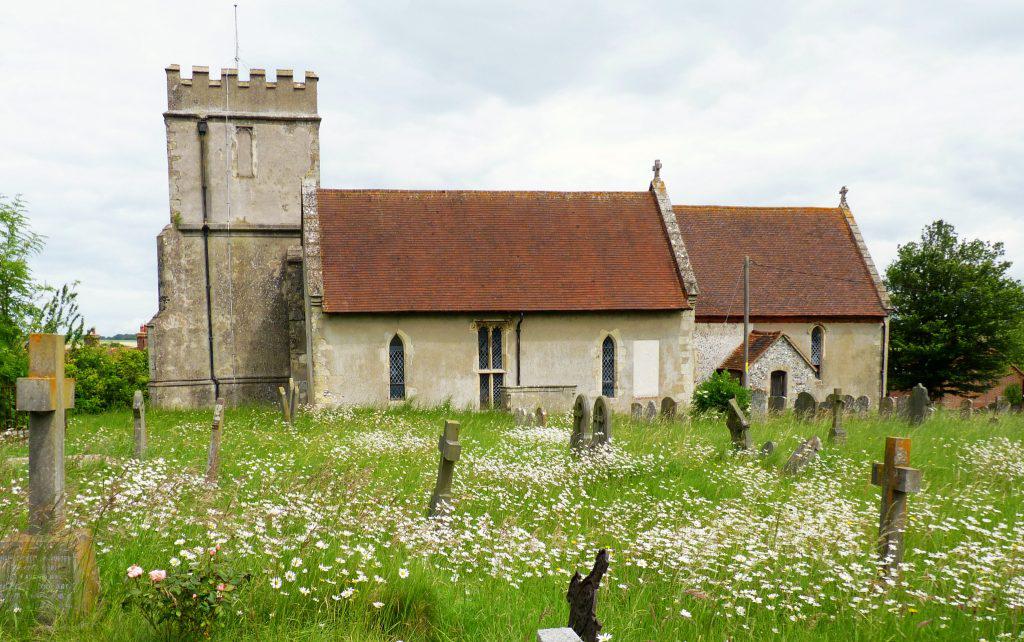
(582, 598)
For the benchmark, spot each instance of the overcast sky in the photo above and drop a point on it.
(917, 107)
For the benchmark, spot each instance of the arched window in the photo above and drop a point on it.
(817, 347)
(608, 367)
(396, 361)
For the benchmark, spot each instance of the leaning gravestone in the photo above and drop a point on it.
(636, 411)
(213, 456)
(668, 409)
(139, 416)
(917, 408)
(886, 407)
(650, 411)
(739, 426)
(450, 449)
(897, 480)
(861, 405)
(582, 598)
(47, 564)
(804, 454)
(580, 424)
(768, 448)
(776, 405)
(837, 434)
(758, 403)
(966, 409)
(805, 406)
(601, 421)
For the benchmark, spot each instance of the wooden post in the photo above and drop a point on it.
(213, 458)
(746, 322)
(286, 406)
(450, 449)
(582, 598)
(139, 414)
(897, 480)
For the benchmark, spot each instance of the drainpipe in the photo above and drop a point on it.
(885, 359)
(202, 128)
(519, 341)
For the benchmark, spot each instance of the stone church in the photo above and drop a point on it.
(478, 298)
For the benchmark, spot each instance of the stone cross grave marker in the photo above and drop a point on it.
(917, 408)
(582, 598)
(966, 409)
(804, 454)
(601, 419)
(636, 411)
(776, 405)
(739, 426)
(139, 415)
(580, 424)
(886, 407)
(450, 449)
(650, 411)
(54, 567)
(897, 480)
(758, 403)
(540, 417)
(213, 456)
(668, 409)
(837, 434)
(805, 406)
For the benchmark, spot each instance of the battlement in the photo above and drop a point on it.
(200, 93)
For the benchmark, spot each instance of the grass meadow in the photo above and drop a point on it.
(328, 519)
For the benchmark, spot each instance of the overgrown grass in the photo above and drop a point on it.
(706, 544)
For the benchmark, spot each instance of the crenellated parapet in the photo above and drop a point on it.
(200, 93)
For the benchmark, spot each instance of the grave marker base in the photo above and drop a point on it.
(57, 572)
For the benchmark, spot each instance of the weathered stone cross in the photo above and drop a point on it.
(450, 450)
(897, 480)
(657, 169)
(580, 424)
(837, 434)
(739, 426)
(45, 394)
(139, 414)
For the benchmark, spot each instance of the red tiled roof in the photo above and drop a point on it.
(805, 261)
(759, 344)
(468, 251)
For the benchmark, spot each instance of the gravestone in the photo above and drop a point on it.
(776, 405)
(804, 454)
(825, 408)
(837, 434)
(580, 424)
(601, 421)
(650, 411)
(848, 403)
(1002, 405)
(668, 409)
(805, 406)
(47, 565)
(917, 408)
(966, 409)
(768, 448)
(213, 456)
(758, 403)
(582, 598)
(739, 426)
(897, 480)
(139, 415)
(901, 407)
(636, 411)
(540, 417)
(861, 405)
(886, 407)
(450, 449)
(285, 402)
(564, 634)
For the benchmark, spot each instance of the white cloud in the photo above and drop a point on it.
(914, 106)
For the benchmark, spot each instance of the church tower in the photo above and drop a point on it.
(237, 154)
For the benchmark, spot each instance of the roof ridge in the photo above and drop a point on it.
(740, 208)
(480, 191)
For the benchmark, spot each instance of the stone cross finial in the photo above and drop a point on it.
(45, 394)
(739, 426)
(139, 415)
(897, 480)
(582, 598)
(213, 457)
(657, 169)
(580, 424)
(450, 449)
(842, 196)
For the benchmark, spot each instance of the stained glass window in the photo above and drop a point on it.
(817, 344)
(608, 368)
(396, 359)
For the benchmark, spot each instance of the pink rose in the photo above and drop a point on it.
(222, 587)
(158, 575)
(135, 571)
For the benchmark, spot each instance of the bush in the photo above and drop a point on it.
(1014, 394)
(713, 394)
(106, 377)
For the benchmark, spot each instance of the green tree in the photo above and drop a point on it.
(713, 394)
(958, 317)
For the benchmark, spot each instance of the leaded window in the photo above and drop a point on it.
(396, 361)
(491, 364)
(817, 347)
(608, 367)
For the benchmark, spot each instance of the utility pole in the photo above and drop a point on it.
(746, 322)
